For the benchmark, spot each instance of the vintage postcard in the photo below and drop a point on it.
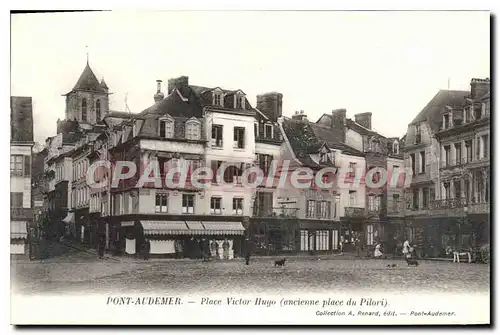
(250, 167)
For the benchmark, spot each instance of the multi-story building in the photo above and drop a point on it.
(447, 148)
(321, 212)
(21, 144)
(373, 222)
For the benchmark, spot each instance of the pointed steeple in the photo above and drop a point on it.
(88, 81)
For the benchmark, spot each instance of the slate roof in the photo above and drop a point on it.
(21, 119)
(306, 138)
(432, 112)
(197, 97)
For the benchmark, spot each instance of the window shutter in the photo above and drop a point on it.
(27, 166)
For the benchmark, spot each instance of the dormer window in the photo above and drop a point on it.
(193, 129)
(395, 148)
(166, 128)
(84, 110)
(268, 131)
(240, 101)
(218, 99)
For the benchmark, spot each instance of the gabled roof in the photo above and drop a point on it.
(432, 112)
(353, 125)
(307, 138)
(88, 81)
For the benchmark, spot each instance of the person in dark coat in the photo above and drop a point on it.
(147, 249)
(248, 250)
(101, 246)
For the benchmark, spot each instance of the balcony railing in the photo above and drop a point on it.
(460, 206)
(285, 212)
(355, 212)
(463, 161)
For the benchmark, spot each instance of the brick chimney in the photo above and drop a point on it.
(364, 119)
(479, 87)
(271, 105)
(158, 96)
(300, 116)
(338, 117)
(177, 83)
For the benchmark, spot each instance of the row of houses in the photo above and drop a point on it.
(446, 148)
(199, 126)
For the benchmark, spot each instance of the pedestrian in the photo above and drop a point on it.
(147, 249)
(101, 246)
(357, 242)
(406, 249)
(248, 251)
(225, 249)
(378, 252)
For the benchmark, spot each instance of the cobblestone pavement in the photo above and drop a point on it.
(82, 272)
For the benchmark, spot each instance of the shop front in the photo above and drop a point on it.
(274, 235)
(180, 238)
(319, 236)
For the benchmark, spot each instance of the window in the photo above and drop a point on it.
(485, 140)
(418, 134)
(468, 150)
(192, 130)
(413, 164)
(215, 205)
(240, 102)
(268, 131)
(458, 153)
(322, 240)
(239, 137)
(264, 203)
(161, 203)
(167, 128)
(264, 163)
(16, 199)
(217, 135)
(326, 209)
(446, 121)
(352, 198)
(447, 156)
(311, 209)
(395, 202)
(422, 161)
(237, 206)
(467, 190)
(352, 170)
(16, 165)
(477, 111)
(187, 204)
(375, 147)
(84, 110)
(415, 198)
(478, 148)
(217, 99)
(98, 110)
(447, 190)
(425, 198)
(304, 240)
(371, 202)
(395, 148)
(336, 206)
(369, 234)
(458, 189)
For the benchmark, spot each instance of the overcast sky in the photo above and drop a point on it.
(387, 63)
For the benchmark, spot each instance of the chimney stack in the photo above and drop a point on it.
(339, 117)
(364, 119)
(177, 83)
(479, 87)
(158, 96)
(300, 116)
(271, 105)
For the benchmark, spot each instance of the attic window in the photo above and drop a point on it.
(395, 148)
(268, 131)
(240, 101)
(217, 99)
(166, 128)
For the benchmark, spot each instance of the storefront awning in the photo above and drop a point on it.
(223, 228)
(196, 227)
(70, 218)
(18, 229)
(165, 228)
